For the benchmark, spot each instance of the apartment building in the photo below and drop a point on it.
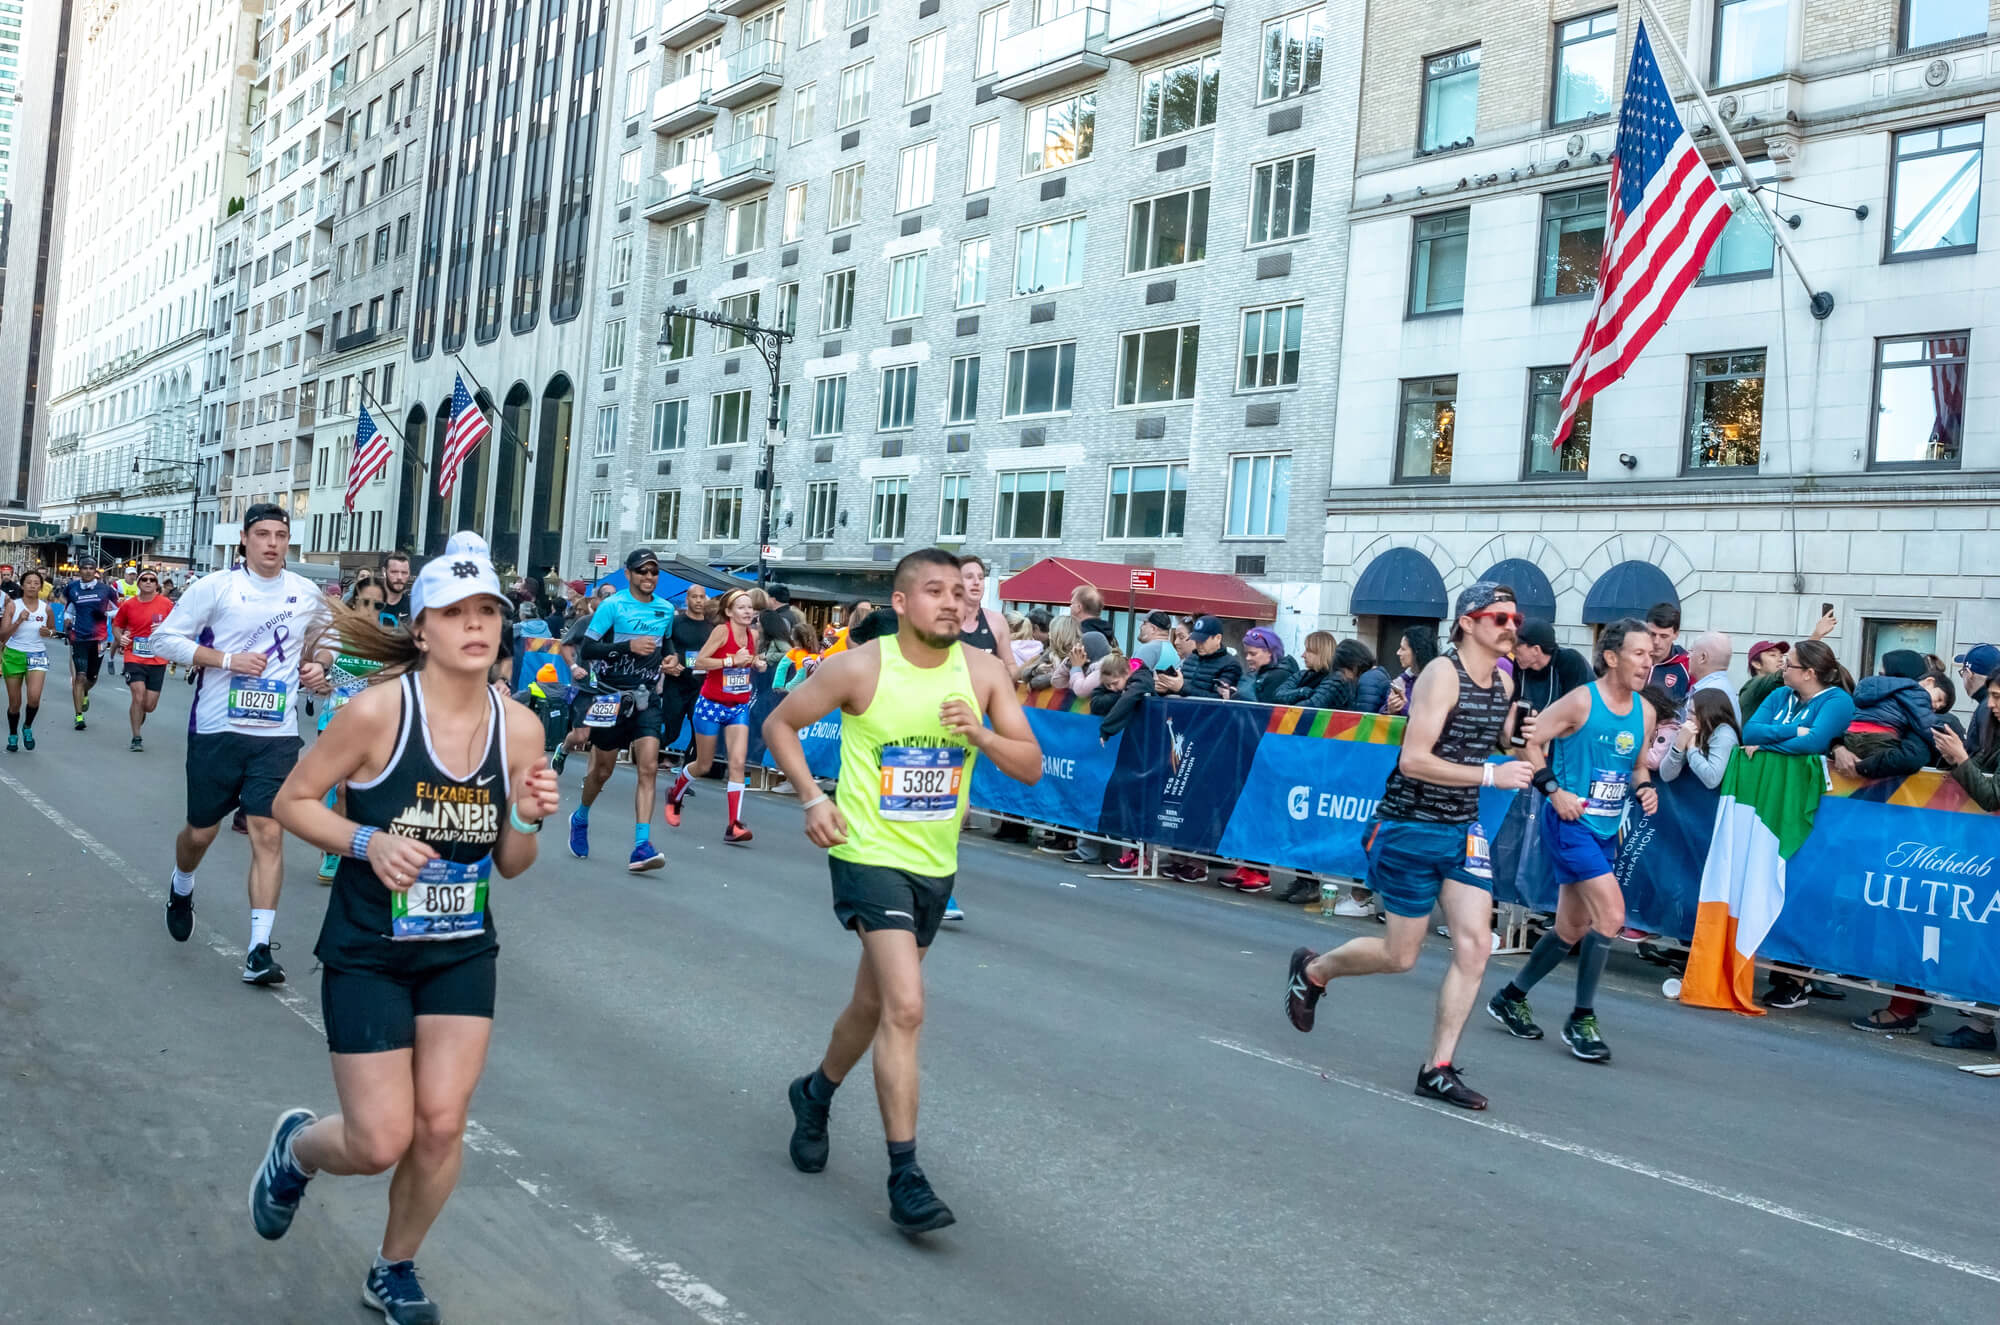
(1756, 462)
(1062, 278)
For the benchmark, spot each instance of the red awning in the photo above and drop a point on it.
(1183, 592)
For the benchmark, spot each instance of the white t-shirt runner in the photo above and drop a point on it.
(239, 612)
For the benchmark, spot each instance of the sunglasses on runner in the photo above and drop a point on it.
(1502, 619)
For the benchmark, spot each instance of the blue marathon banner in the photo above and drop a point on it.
(1077, 767)
(1309, 804)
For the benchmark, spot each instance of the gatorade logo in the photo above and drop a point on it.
(1302, 804)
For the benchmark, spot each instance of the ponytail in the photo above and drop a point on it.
(362, 635)
(1818, 659)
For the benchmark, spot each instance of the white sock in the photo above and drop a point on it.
(183, 882)
(260, 925)
(292, 1155)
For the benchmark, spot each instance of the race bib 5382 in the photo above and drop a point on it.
(921, 782)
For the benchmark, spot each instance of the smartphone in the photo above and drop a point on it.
(1826, 609)
(1523, 711)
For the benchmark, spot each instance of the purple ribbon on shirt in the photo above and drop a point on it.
(279, 635)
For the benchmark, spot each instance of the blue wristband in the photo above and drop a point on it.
(358, 847)
(521, 825)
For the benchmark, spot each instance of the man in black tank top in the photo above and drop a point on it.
(1427, 845)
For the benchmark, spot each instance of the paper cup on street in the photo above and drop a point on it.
(1671, 988)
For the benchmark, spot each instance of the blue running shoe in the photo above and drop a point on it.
(393, 1290)
(645, 857)
(952, 910)
(276, 1190)
(579, 837)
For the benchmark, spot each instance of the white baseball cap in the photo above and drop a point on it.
(465, 570)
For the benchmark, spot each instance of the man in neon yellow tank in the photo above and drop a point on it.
(911, 709)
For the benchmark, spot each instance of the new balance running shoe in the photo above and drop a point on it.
(180, 914)
(1442, 1083)
(736, 835)
(329, 865)
(1580, 1034)
(260, 968)
(952, 910)
(579, 836)
(393, 1290)
(13, 744)
(27, 738)
(646, 856)
(1301, 994)
(809, 1145)
(138, 745)
(913, 1206)
(280, 1183)
(1513, 1013)
(79, 722)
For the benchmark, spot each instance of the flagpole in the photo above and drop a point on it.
(381, 417)
(1822, 300)
(500, 413)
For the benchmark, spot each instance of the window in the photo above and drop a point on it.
(1437, 262)
(964, 404)
(1430, 406)
(738, 308)
(805, 107)
(844, 205)
(1451, 100)
(787, 318)
(1028, 504)
(1880, 637)
(992, 27)
(1919, 401)
(1745, 248)
(1179, 98)
(1292, 47)
(1544, 408)
(795, 213)
(721, 514)
(666, 517)
(889, 511)
(1146, 501)
(621, 258)
(859, 11)
(836, 301)
(1281, 199)
(857, 81)
(670, 425)
(629, 168)
(1572, 243)
(607, 430)
(1749, 40)
(729, 418)
(1927, 22)
(1049, 256)
(679, 343)
(684, 246)
(923, 76)
(982, 156)
(1039, 380)
(1260, 492)
(1157, 367)
(829, 406)
(1271, 347)
(743, 228)
(812, 21)
(916, 176)
(1934, 191)
(822, 501)
(614, 345)
(898, 409)
(1586, 50)
(1061, 133)
(974, 257)
(1725, 410)
(906, 285)
(1169, 231)
(600, 516)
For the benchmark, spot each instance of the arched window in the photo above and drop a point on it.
(410, 482)
(551, 473)
(515, 427)
(436, 517)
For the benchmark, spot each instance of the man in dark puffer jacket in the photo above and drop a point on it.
(1207, 671)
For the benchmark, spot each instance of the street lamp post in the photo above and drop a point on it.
(194, 492)
(769, 342)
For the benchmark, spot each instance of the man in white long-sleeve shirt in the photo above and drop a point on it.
(248, 630)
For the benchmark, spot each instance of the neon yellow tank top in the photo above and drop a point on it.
(904, 780)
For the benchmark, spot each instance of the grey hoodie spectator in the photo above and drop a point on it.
(1209, 671)
(1704, 741)
(1267, 671)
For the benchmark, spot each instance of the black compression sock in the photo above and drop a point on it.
(1513, 993)
(13, 722)
(820, 1087)
(902, 1155)
(1545, 956)
(1574, 1013)
(28, 719)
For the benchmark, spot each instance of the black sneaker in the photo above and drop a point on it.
(1301, 994)
(913, 1206)
(259, 968)
(1513, 1013)
(180, 914)
(393, 1290)
(1076, 856)
(808, 1129)
(1442, 1083)
(137, 745)
(1580, 1034)
(1784, 994)
(279, 1185)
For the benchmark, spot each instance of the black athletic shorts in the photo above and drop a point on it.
(230, 769)
(86, 656)
(871, 897)
(152, 675)
(633, 725)
(368, 1012)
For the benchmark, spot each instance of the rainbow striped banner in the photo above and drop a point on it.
(1928, 790)
(1337, 725)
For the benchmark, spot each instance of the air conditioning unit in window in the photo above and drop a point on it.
(1249, 565)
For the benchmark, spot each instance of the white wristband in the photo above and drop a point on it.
(1486, 775)
(817, 800)
(225, 660)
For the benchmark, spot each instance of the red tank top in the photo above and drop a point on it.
(729, 685)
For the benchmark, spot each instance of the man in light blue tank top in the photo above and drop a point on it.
(1588, 751)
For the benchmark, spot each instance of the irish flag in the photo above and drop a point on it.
(1767, 808)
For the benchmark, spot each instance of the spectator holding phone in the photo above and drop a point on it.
(1414, 650)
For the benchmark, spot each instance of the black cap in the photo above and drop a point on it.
(1539, 634)
(1159, 621)
(639, 556)
(1906, 663)
(265, 510)
(780, 593)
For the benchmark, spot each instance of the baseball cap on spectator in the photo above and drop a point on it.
(1537, 634)
(1906, 663)
(1205, 627)
(578, 587)
(1983, 659)
(1476, 597)
(1763, 646)
(1159, 621)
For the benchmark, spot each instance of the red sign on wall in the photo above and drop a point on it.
(1144, 579)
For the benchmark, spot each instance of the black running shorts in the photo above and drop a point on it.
(230, 769)
(633, 725)
(86, 657)
(872, 897)
(367, 1012)
(150, 675)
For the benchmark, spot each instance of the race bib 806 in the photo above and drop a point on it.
(448, 901)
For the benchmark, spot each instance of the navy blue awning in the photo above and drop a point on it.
(1400, 582)
(1629, 589)
(1532, 589)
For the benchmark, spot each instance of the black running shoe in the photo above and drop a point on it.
(1513, 1013)
(808, 1129)
(138, 745)
(280, 1184)
(1301, 994)
(1580, 1034)
(393, 1290)
(259, 968)
(1784, 994)
(180, 914)
(1442, 1083)
(913, 1206)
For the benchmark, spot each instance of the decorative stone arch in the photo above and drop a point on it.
(1528, 547)
(1432, 550)
(1655, 550)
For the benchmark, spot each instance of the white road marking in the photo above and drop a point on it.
(698, 1297)
(1629, 1165)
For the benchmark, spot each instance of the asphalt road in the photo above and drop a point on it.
(1114, 1104)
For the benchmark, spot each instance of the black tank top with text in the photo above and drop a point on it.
(1471, 733)
(979, 635)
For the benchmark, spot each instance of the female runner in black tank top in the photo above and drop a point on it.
(446, 787)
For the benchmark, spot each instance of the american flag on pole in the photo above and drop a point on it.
(371, 455)
(468, 429)
(1666, 213)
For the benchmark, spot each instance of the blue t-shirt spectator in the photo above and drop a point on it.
(1779, 719)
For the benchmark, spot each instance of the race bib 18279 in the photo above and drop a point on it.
(256, 702)
(921, 782)
(448, 901)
